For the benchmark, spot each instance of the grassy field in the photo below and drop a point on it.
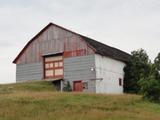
(40, 101)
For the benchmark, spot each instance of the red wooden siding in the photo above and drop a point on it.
(75, 53)
(54, 40)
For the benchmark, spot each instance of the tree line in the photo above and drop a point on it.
(143, 76)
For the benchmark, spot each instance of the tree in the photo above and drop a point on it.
(150, 86)
(139, 66)
(141, 76)
(156, 67)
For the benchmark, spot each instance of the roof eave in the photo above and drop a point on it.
(122, 60)
(15, 60)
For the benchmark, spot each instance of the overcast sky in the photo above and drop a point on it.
(124, 24)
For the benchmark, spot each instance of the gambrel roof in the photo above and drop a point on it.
(99, 47)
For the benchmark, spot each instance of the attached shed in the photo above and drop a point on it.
(60, 55)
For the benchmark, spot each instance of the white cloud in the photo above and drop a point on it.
(125, 24)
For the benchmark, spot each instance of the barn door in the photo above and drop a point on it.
(53, 67)
(77, 86)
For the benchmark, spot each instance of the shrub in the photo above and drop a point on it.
(67, 87)
(150, 88)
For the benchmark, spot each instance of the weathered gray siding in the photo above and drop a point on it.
(110, 70)
(79, 68)
(26, 72)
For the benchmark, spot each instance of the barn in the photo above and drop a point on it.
(61, 55)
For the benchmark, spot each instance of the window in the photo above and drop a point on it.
(60, 64)
(50, 59)
(120, 82)
(49, 73)
(56, 64)
(46, 65)
(51, 65)
(58, 72)
(85, 85)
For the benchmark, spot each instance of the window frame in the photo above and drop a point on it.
(85, 85)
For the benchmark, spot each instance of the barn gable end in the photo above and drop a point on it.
(51, 40)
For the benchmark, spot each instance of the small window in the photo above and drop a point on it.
(49, 73)
(51, 65)
(85, 85)
(58, 72)
(60, 64)
(46, 66)
(56, 64)
(120, 82)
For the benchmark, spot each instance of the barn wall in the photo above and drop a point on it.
(54, 40)
(79, 68)
(26, 72)
(110, 70)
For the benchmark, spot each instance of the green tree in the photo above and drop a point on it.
(150, 87)
(139, 66)
(156, 67)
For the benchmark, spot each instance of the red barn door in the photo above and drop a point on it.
(77, 86)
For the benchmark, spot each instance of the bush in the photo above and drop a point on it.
(150, 88)
(67, 87)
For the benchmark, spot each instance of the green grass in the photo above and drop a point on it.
(28, 86)
(40, 101)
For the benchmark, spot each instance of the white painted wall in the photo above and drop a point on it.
(110, 70)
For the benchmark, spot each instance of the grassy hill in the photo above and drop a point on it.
(40, 101)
